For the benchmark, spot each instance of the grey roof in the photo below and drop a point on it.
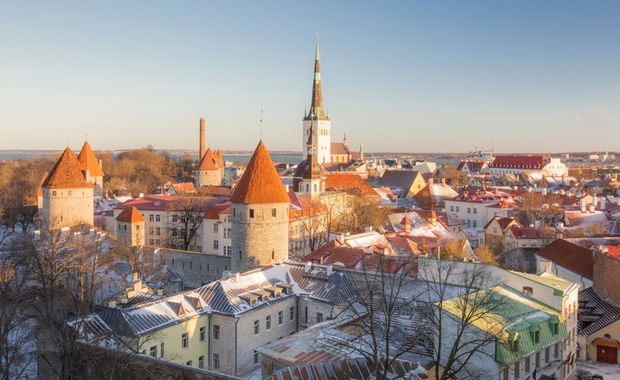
(358, 369)
(594, 310)
(399, 179)
(224, 295)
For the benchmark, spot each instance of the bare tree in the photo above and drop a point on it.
(382, 311)
(315, 227)
(453, 322)
(186, 221)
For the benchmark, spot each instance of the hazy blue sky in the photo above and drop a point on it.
(417, 76)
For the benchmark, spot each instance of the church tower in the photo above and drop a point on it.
(307, 180)
(318, 118)
(67, 196)
(259, 212)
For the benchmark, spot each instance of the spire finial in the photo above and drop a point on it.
(317, 47)
(261, 121)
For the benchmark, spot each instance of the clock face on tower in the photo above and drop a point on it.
(312, 150)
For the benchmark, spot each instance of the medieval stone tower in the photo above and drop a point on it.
(259, 212)
(210, 170)
(130, 227)
(317, 117)
(91, 167)
(67, 196)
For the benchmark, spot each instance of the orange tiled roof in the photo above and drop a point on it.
(349, 182)
(89, 162)
(260, 182)
(130, 215)
(209, 161)
(66, 173)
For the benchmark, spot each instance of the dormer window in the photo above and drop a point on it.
(528, 290)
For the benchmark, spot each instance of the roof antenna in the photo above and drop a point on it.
(261, 121)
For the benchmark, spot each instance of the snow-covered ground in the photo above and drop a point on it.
(608, 371)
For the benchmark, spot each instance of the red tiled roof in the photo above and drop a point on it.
(503, 222)
(339, 148)
(473, 166)
(89, 162)
(571, 256)
(304, 206)
(130, 215)
(66, 173)
(214, 212)
(209, 161)
(40, 189)
(260, 182)
(613, 251)
(519, 162)
(184, 187)
(216, 190)
(349, 182)
(525, 232)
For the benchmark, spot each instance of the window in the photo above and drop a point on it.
(234, 212)
(452, 208)
(157, 219)
(53, 193)
(515, 345)
(216, 244)
(527, 364)
(273, 212)
(201, 362)
(256, 327)
(152, 230)
(216, 332)
(536, 337)
(517, 370)
(547, 352)
(189, 363)
(216, 361)
(494, 230)
(556, 350)
(175, 232)
(475, 210)
(251, 213)
(537, 359)
(528, 290)
(280, 317)
(184, 340)
(268, 322)
(319, 317)
(153, 351)
(202, 334)
(175, 218)
(161, 350)
(226, 233)
(292, 313)
(474, 223)
(256, 357)
(554, 328)
(469, 210)
(505, 373)
(151, 218)
(227, 250)
(157, 231)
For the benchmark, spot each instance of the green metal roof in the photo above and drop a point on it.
(516, 316)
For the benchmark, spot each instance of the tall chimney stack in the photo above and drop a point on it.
(202, 149)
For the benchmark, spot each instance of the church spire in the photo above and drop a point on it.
(316, 107)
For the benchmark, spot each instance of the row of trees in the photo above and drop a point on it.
(402, 317)
(46, 280)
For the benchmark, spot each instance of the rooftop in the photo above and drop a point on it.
(66, 173)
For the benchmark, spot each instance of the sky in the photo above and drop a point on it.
(410, 76)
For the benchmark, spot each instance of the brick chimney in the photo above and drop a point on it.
(202, 148)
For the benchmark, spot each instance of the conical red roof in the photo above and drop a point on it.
(66, 173)
(130, 215)
(89, 162)
(260, 182)
(209, 161)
